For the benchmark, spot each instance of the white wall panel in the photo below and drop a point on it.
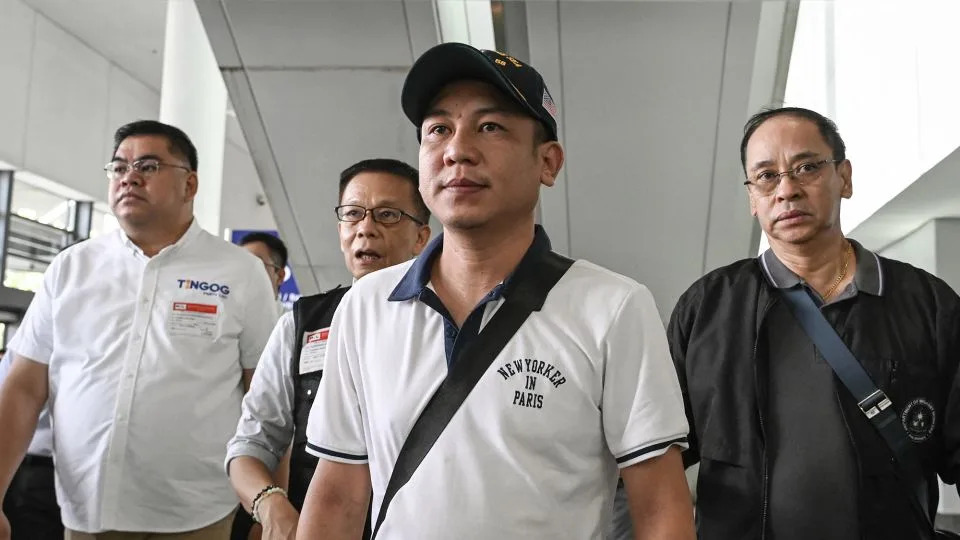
(545, 55)
(422, 26)
(918, 248)
(730, 228)
(641, 86)
(127, 33)
(67, 111)
(320, 122)
(310, 34)
(16, 44)
(241, 186)
(128, 100)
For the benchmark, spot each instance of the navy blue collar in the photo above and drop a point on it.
(418, 275)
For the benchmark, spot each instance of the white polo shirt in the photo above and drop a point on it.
(585, 385)
(145, 363)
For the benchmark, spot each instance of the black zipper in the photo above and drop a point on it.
(763, 433)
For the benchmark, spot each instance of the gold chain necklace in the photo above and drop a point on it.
(842, 274)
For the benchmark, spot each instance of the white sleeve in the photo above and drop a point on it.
(642, 406)
(335, 429)
(35, 336)
(259, 314)
(266, 421)
(5, 364)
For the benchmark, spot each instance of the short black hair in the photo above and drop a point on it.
(541, 134)
(389, 166)
(828, 130)
(180, 144)
(278, 251)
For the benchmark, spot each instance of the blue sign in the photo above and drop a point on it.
(289, 291)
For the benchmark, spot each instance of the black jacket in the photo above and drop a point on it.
(908, 340)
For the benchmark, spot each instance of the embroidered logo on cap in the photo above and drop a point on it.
(919, 418)
(549, 105)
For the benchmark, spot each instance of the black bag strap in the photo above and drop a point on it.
(528, 291)
(873, 402)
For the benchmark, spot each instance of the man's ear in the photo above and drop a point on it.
(192, 184)
(423, 236)
(551, 156)
(845, 169)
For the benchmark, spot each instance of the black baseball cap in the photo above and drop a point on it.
(450, 62)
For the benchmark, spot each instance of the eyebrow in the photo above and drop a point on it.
(494, 109)
(389, 203)
(802, 155)
(145, 156)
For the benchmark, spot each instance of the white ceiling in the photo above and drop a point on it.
(129, 33)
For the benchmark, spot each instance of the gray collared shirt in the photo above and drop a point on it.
(813, 467)
(867, 278)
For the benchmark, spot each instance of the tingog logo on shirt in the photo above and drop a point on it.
(205, 287)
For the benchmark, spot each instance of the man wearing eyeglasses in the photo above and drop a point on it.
(144, 341)
(785, 449)
(382, 222)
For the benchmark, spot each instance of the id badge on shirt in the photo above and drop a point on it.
(192, 319)
(314, 350)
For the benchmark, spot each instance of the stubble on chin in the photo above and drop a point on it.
(465, 223)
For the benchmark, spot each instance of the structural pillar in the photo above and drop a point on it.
(194, 99)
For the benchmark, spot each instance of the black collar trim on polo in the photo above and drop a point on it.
(868, 277)
(418, 275)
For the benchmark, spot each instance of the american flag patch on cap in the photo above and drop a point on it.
(548, 104)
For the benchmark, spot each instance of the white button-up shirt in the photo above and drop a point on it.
(145, 363)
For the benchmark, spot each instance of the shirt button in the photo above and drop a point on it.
(309, 392)
(136, 337)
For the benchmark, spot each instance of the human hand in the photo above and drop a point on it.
(278, 517)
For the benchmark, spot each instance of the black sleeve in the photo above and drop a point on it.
(949, 469)
(678, 333)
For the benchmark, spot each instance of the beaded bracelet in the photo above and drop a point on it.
(264, 493)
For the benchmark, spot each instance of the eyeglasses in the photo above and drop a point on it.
(276, 268)
(766, 182)
(145, 168)
(352, 213)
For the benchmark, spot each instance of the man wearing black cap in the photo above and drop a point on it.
(579, 388)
